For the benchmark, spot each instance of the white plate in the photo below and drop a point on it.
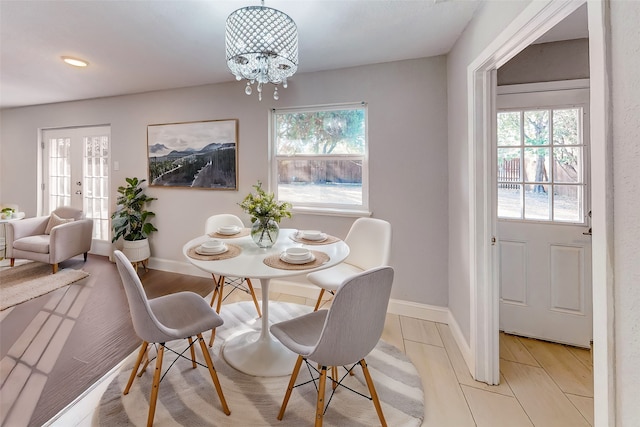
(314, 238)
(202, 251)
(285, 258)
(229, 232)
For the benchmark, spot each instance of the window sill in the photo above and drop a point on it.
(330, 212)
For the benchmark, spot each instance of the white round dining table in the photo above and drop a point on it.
(255, 352)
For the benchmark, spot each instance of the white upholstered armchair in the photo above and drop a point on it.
(50, 239)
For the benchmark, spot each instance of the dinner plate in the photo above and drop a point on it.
(318, 238)
(285, 258)
(229, 232)
(202, 251)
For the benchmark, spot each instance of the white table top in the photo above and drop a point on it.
(250, 261)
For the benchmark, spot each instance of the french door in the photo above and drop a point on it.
(544, 216)
(76, 173)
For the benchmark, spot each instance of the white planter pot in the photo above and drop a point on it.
(136, 250)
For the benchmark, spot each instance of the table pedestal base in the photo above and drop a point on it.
(259, 355)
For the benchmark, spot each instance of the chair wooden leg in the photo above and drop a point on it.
(13, 262)
(372, 391)
(54, 267)
(220, 293)
(334, 375)
(320, 403)
(319, 300)
(143, 351)
(292, 383)
(85, 256)
(146, 363)
(216, 292)
(253, 295)
(193, 354)
(155, 387)
(214, 375)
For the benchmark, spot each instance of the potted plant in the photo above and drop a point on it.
(7, 213)
(265, 213)
(131, 220)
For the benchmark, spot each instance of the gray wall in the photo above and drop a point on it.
(488, 22)
(407, 157)
(547, 62)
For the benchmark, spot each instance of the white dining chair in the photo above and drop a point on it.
(182, 315)
(236, 283)
(369, 241)
(340, 336)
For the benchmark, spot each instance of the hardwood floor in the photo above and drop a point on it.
(542, 384)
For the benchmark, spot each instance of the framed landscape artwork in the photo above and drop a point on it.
(194, 154)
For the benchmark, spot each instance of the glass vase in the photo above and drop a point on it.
(264, 232)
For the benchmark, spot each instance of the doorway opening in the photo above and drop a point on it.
(534, 21)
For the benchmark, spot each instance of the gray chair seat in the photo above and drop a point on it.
(184, 314)
(300, 335)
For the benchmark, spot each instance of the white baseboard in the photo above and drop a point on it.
(299, 286)
(464, 347)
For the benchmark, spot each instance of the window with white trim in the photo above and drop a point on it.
(319, 157)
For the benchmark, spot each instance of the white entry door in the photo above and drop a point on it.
(76, 173)
(543, 216)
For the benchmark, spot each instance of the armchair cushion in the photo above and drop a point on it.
(38, 244)
(55, 220)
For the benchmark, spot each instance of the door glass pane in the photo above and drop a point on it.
(536, 202)
(536, 127)
(566, 126)
(536, 163)
(567, 203)
(510, 201)
(509, 128)
(567, 164)
(95, 184)
(59, 176)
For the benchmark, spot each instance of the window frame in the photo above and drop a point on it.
(318, 207)
(549, 96)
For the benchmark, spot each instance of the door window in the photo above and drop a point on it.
(540, 164)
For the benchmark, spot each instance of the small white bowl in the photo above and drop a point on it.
(312, 234)
(213, 244)
(297, 253)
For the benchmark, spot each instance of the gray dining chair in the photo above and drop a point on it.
(369, 241)
(182, 315)
(342, 335)
(236, 283)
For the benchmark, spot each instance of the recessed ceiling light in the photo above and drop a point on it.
(74, 61)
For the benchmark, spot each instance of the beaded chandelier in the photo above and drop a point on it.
(261, 46)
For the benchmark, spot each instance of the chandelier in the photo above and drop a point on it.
(261, 46)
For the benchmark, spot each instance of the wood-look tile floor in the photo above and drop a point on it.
(542, 384)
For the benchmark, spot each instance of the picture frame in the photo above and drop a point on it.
(198, 154)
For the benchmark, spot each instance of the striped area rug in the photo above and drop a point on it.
(187, 396)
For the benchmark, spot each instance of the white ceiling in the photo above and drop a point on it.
(138, 46)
